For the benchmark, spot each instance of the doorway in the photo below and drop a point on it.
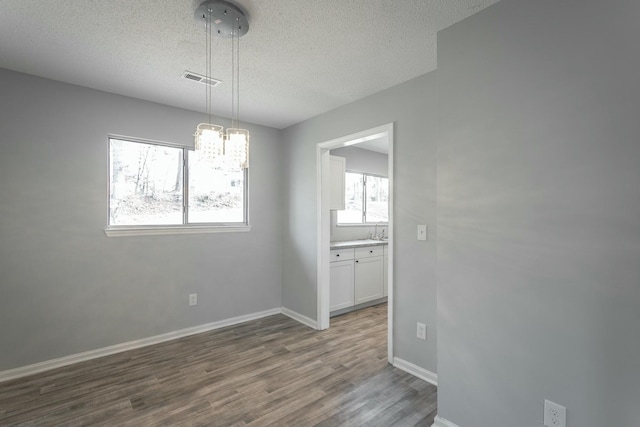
(384, 132)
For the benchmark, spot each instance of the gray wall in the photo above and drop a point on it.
(363, 160)
(359, 160)
(539, 214)
(412, 107)
(64, 286)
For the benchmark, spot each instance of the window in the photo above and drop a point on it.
(155, 184)
(367, 199)
(216, 195)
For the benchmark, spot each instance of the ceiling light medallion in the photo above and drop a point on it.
(223, 19)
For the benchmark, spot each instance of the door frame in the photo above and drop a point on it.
(324, 223)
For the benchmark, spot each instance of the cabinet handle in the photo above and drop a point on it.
(337, 254)
(357, 261)
(370, 252)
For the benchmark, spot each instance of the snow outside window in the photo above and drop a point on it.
(152, 184)
(366, 199)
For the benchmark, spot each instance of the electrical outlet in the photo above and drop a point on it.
(422, 232)
(193, 299)
(421, 331)
(554, 415)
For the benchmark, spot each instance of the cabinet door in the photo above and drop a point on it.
(341, 279)
(338, 167)
(368, 279)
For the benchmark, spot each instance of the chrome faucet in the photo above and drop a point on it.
(375, 234)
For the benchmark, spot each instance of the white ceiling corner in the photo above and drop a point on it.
(300, 58)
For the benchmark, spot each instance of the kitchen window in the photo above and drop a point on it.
(162, 188)
(366, 199)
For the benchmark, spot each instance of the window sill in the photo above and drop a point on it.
(178, 229)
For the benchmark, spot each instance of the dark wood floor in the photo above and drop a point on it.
(269, 372)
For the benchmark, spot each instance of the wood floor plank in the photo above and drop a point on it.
(268, 372)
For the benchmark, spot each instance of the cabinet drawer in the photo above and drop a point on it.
(341, 255)
(368, 251)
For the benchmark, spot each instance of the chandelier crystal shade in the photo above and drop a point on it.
(230, 147)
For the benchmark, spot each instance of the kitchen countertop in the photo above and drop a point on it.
(346, 244)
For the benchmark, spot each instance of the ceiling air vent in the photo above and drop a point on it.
(201, 79)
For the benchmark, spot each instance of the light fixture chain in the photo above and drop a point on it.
(233, 76)
(206, 64)
(238, 75)
(209, 61)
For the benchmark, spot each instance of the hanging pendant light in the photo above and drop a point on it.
(208, 137)
(224, 19)
(236, 139)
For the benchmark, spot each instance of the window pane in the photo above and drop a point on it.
(215, 195)
(377, 199)
(146, 184)
(354, 186)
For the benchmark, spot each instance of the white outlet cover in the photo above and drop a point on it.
(554, 415)
(421, 331)
(422, 232)
(193, 299)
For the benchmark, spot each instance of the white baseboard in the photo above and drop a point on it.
(416, 370)
(35, 368)
(300, 318)
(441, 422)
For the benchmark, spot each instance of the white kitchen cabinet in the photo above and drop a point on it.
(357, 276)
(341, 279)
(368, 282)
(385, 271)
(338, 168)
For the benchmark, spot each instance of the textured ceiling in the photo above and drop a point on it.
(300, 58)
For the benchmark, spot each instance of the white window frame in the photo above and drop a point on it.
(185, 227)
(364, 222)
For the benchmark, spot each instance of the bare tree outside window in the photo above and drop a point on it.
(377, 199)
(216, 194)
(147, 186)
(366, 199)
(143, 184)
